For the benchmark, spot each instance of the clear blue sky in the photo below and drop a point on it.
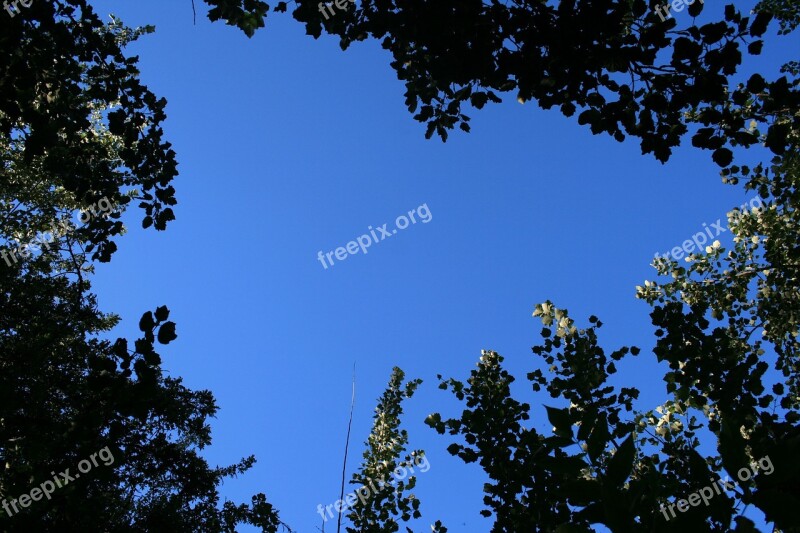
(288, 147)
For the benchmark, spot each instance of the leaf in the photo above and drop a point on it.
(146, 323)
(588, 421)
(695, 8)
(722, 156)
(478, 99)
(732, 445)
(755, 47)
(589, 116)
(582, 492)
(621, 464)
(745, 525)
(756, 83)
(162, 313)
(163, 217)
(777, 136)
(561, 420)
(120, 348)
(598, 439)
(760, 24)
(166, 333)
(152, 358)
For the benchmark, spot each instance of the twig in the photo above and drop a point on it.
(346, 446)
(194, 13)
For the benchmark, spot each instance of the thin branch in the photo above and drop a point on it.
(346, 446)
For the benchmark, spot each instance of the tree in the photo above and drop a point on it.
(628, 72)
(78, 128)
(383, 496)
(608, 463)
(80, 136)
(60, 61)
(727, 326)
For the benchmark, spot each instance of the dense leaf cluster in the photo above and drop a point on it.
(727, 325)
(78, 128)
(614, 62)
(386, 502)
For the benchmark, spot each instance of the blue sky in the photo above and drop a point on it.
(288, 147)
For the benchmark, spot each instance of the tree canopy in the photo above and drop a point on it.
(82, 136)
(614, 62)
(81, 140)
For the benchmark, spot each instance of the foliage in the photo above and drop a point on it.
(247, 15)
(726, 326)
(614, 62)
(620, 66)
(61, 64)
(76, 128)
(386, 501)
(786, 11)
